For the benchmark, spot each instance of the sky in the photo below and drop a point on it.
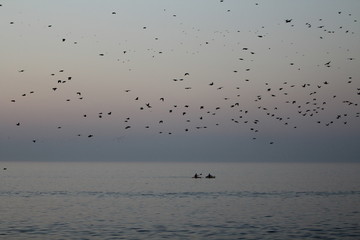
(204, 80)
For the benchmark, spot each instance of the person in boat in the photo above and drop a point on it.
(197, 175)
(210, 176)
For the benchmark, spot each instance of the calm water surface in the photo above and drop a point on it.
(161, 200)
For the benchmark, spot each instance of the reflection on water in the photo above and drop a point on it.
(161, 200)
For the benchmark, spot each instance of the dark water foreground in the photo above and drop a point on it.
(161, 200)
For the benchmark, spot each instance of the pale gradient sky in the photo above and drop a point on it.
(281, 91)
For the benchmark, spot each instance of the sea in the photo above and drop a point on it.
(161, 200)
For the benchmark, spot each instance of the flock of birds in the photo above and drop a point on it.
(288, 103)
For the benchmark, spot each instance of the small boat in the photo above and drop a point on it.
(197, 175)
(210, 176)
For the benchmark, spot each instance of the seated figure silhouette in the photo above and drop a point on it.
(210, 176)
(197, 175)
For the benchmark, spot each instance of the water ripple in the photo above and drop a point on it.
(150, 194)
